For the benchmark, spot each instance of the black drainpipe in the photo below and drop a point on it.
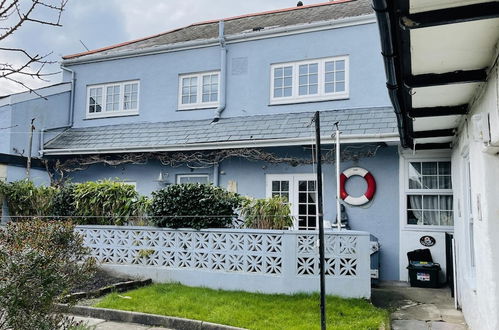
(393, 77)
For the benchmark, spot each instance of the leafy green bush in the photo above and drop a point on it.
(107, 203)
(270, 213)
(64, 201)
(193, 206)
(25, 199)
(39, 263)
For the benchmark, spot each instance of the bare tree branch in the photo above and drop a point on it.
(13, 15)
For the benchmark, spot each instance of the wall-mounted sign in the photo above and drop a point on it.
(427, 241)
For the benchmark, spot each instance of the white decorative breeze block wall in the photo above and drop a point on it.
(266, 261)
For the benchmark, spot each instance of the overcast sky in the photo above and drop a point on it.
(99, 23)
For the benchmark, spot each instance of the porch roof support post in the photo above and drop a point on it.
(320, 218)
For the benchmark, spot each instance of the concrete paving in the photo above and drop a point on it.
(99, 324)
(419, 308)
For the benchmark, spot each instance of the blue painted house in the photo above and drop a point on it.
(230, 102)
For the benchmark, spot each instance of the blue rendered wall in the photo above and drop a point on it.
(48, 113)
(380, 217)
(247, 93)
(5, 129)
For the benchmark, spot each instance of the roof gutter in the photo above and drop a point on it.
(352, 138)
(223, 71)
(272, 32)
(393, 76)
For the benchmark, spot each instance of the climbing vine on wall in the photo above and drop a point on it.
(203, 159)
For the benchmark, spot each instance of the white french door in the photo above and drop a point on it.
(300, 190)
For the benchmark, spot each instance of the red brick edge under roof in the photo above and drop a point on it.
(67, 57)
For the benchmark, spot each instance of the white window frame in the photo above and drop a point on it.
(405, 191)
(116, 113)
(321, 95)
(180, 176)
(199, 104)
(293, 196)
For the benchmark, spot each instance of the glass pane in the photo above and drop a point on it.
(431, 218)
(445, 182)
(311, 185)
(278, 92)
(414, 202)
(340, 65)
(313, 68)
(329, 66)
(285, 185)
(303, 69)
(287, 81)
(303, 80)
(302, 208)
(340, 76)
(302, 197)
(444, 168)
(278, 72)
(185, 99)
(312, 222)
(340, 87)
(302, 185)
(302, 222)
(313, 79)
(414, 175)
(329, 77)
(303, 90)
(287, 91)
(288, 71)
(429, 168)
(412, 219)
(278, 82)
(446, 203)
(446, 218)
(206, 97)
(430, 182)
(312, 209)
(430, 202)
(313, 89)
(311, 197)
(329, 88)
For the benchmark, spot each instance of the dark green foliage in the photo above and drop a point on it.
(39, 263)
(64, 201)
(194, 206)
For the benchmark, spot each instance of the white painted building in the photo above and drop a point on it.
(441, 61)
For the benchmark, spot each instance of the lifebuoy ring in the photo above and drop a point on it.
(371, 186)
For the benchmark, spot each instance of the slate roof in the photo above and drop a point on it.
(327, 11)
(262, 127)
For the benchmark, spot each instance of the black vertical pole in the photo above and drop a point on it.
(320, 218)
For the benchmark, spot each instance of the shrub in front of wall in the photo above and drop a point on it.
(193, 206)
(269, 213)
(107, 203)
(26, 200)
(40, 262)
(64, 202)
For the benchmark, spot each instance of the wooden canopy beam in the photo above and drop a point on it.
(448, 78)
(479, 11)
(438, 111)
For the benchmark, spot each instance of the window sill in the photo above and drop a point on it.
(308, 100)
(112, 114)
(440, 229)
(198, 107)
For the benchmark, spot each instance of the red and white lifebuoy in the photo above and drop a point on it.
(371, 186)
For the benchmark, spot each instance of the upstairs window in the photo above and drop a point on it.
(312, 80)
(116, 99)
(429, 194)
(199, 90)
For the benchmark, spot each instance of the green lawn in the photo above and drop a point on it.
(248, 310)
